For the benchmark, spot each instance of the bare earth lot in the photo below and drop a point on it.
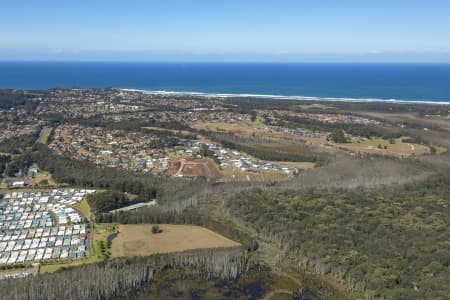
(138, 240)
(194, 167)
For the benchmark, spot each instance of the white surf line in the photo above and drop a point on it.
(284, 97)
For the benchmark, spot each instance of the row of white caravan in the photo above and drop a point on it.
(41, 225)
(42, 254)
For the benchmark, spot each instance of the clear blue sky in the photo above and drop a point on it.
(210, 30)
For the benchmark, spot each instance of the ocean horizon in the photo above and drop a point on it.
(419, 83)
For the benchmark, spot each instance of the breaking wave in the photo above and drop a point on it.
(284, 97)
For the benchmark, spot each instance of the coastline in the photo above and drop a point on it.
(284, 97)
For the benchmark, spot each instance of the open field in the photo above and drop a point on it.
(243, 127)
(44, 134)
(184, 132)
(84, 208)
(384, 147)
(440, 150)
(138, 240)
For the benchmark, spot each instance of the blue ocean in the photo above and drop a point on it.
(366, 82)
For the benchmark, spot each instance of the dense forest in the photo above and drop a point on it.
(121, 277)
(18, 151)
(10, 99)
(4, 160)
(18, 144)
(389, 243)
(364, 172)
(107, 200)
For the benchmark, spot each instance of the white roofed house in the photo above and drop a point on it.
(18, 184)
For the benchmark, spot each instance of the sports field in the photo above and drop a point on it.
(138, 240)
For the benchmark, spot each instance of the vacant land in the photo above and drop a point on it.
(184, 132)
(84, 208)
(244, 128)
(44, 135)
(187, 167)
(138, 240)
